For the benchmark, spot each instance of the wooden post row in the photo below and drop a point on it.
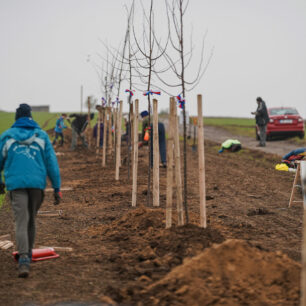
(202, 190)
(135, 153)
(118, 142)
(170, 144)
(155, 155)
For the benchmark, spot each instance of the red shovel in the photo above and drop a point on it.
(40, 254)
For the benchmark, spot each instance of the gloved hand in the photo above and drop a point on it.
(2, 188)
(57, 197)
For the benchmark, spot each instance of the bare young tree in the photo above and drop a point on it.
(149, 52)
(179, 65)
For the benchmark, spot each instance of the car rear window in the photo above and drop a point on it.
(283, 111)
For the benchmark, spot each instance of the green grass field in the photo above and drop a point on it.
(239, 126)
(44, 119)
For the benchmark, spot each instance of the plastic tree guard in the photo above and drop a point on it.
(40, 254)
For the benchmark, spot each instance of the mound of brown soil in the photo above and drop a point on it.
(232, 273)
(144, 251)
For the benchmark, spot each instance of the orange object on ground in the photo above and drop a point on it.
(40, 254)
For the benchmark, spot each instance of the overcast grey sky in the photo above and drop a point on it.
(259, 50)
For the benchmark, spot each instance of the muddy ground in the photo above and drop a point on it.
(124, 255)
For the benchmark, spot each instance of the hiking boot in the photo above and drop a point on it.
(24, 266)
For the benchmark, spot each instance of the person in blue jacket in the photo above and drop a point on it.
(59, 126)
(27, 158)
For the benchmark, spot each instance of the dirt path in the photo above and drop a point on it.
(278, 147)
(119, 252)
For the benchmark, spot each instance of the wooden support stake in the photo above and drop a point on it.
(4, 242)
(89, 126)
(98, 132)
(170, 144)
(58, 249)
(8, 245)
(303, 273)
(109, 131)
(104, 138)
(118, 143)
(115, 112)
(5, 237)
(178, 175)
(132, 133)
(202, 185)
(155, 155)
(46, 213)
(135, 154)
(297, 173)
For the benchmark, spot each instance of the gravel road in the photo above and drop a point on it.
(278, 147)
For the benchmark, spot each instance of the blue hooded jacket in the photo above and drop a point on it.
(60, 125)
(27, 157)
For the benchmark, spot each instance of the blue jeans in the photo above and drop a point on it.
(57, 134)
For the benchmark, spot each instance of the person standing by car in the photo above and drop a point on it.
(262, 119)
(27, 158)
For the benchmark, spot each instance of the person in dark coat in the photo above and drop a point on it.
(161, 138)
(95, 133)
(78, 126)
(262, 119)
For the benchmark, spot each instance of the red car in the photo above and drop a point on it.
(284, 121)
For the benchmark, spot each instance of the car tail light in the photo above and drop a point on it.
(300, 120)
(271, 120)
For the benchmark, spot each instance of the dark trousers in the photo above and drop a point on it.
(262, 134)
(26, 203)
(57, 134)
(74, 138)
(162, 143)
